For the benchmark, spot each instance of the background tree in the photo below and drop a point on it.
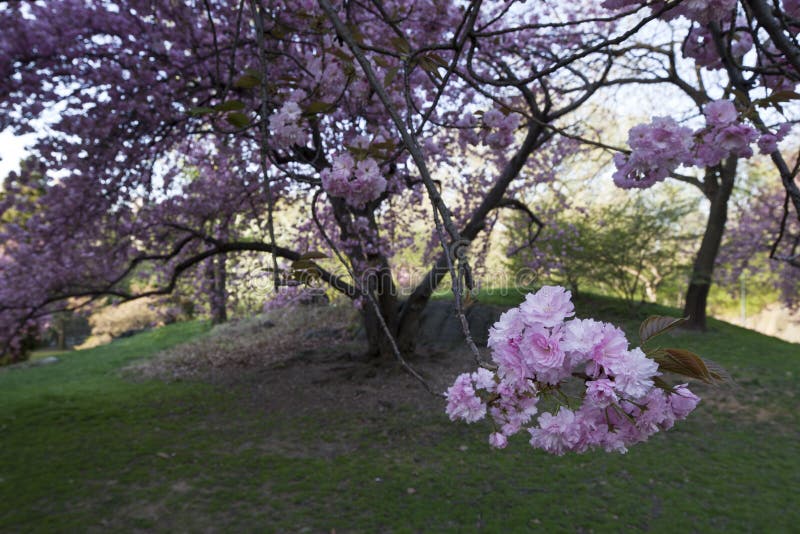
(19, 193)
(738, 74)
(628, 247)
(762, 229)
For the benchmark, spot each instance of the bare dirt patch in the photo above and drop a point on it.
(304, 360)
(308, 361)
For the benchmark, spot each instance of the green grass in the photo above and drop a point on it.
(84, 449)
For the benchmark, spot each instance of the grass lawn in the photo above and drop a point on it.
(82, 448)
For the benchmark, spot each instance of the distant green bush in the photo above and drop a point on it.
(637, 249)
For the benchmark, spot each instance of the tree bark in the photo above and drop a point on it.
(219, 296)
(718, 188)
(382, 285)
(61, 333)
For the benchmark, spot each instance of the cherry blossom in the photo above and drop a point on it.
(620, 405)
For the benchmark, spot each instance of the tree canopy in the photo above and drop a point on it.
(175, 132)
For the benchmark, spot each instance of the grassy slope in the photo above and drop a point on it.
(82, 448)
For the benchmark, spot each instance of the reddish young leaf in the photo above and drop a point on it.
(683, 362)
(656, 324)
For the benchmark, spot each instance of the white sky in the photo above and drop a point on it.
(12, 150)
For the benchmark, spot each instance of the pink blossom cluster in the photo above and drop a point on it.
(659, 148)
(538, 348)
(501, 128)
(467, 130)
(724, 135)
(357, 182)
(768, 142)
(777, 73)
(699, 45)
(285, 126)
(702, 11)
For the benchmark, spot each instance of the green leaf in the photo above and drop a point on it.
(341, 54)
(202, 110)
(356, 33)
(319, 107)
(238, 119)
(391, 74)
(384, 145)
(777, 97)
(230, 105)
(429, 66)
(278, 31)
(439, 60)
(247, 81)
(400, 45)
(717, 372)
(656, 324)
(357, 152)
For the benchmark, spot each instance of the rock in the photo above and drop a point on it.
(46, 361)
(442, 329)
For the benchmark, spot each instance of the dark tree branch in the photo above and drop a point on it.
(533, 220)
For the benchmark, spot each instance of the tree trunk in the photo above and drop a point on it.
(695, 307)
(718, 191)
(219, 296)
(382, 285)
(61, 332)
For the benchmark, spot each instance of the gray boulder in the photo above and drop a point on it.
(441, 328)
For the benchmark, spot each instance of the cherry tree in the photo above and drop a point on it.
(762, 229)
(343, 110)
(349, 118)
(745, 54)
(357, 116)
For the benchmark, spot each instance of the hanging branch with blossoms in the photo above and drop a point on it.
(732, 64)
(605, 394)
